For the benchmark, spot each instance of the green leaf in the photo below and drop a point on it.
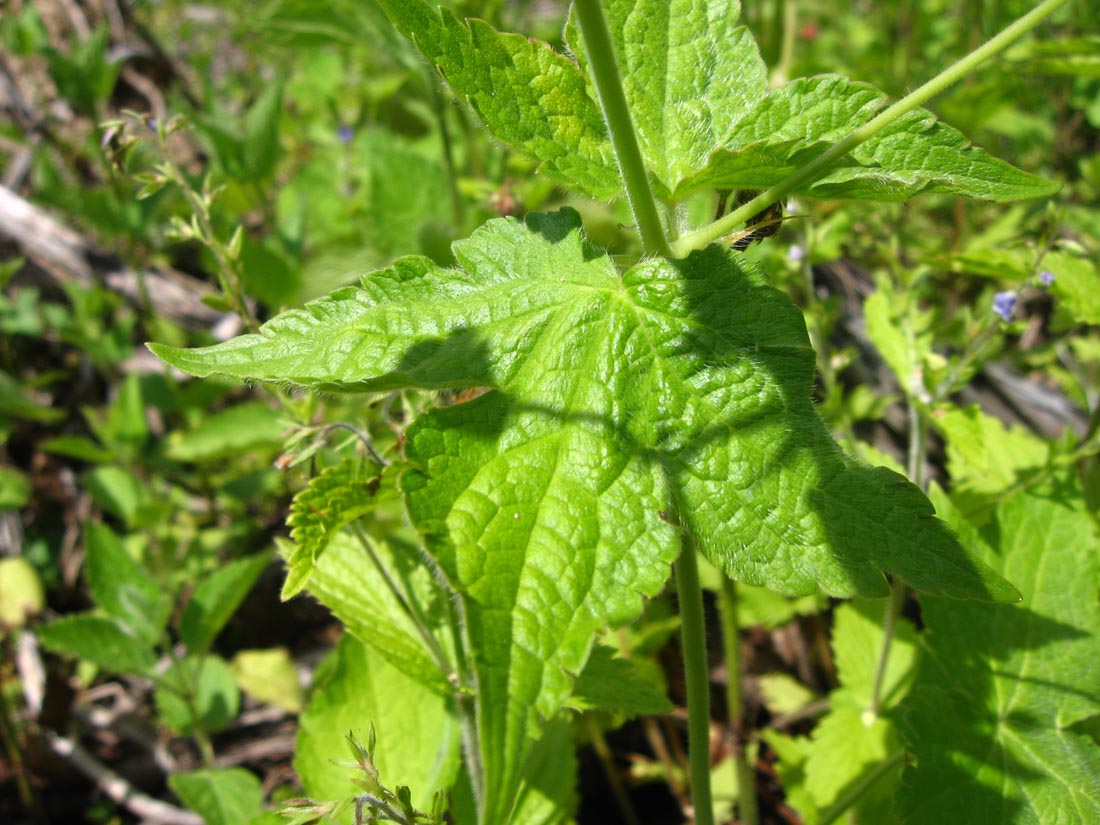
(351, 586)
(213, 693)
(857, 641)
(15, 488)
(611, 683)
(226, 796)
(260, 143)
(333, 499)
(417, 732)
(241, 429)
(16, 402)
(78, 447)
(783, 693)
(547, 793)
(1076, 285)
(119, 492)
(22, 595)
(792, 752)
(758, 606)
(902, 334)
(990, 719)
(985, 458)
(696, 87)
(121, 587)
(216, 598)
(528, 96)
(101, 641)
(851, 741)
(787, 128)
(689, 73)
(269, 676)
(684, 382)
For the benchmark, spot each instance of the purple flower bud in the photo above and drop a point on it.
(1004, 304)
(795, 253)
(1046, 277)
(151, 123)
(345, 134)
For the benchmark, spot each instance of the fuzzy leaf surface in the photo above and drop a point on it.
(333, 499)
(417, 732)
(528, 95)
(992, 713)
(790, 126)
(689, 73)
(347, 582)
(612, 683)
(685, 383)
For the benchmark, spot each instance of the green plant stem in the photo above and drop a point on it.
(439, 109)
(731, 642)
(620, 125)
(697, 676)
(607, 761)
(408, 603)
(917, 460)
(893, 610)
(853, 794)
(819, 166)
(782, 71)
(227, 270)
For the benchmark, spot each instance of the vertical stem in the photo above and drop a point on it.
(731, 641)
(439, 108)
(893, 609)
(786, 45)
(696, 672)
(917, 459)
(620, 125)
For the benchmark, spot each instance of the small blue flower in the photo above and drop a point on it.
(151, 123)
(345, 134)
(795, 253)
(1004, 304)
(1046, 277)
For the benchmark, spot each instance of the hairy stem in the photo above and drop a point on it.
(819, 166)
(696, 672)
(620, 125)
(731, 641)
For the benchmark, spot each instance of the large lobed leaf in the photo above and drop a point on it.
(690, 72)
(800, 120)
(993, 711)
(529, 96)
(544, 502)
(697, 91)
